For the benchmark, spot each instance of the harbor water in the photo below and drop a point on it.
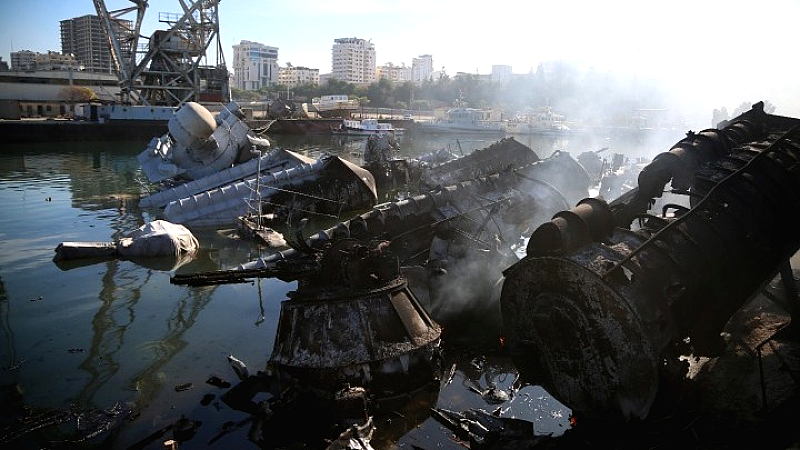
(109, 353)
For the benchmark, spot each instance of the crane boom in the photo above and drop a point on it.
(171, 68)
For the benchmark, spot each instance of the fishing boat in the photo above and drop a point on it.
(366, 127)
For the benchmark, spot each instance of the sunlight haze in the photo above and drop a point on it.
(707, 54)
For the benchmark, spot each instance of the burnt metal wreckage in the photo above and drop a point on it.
(354, 331)
(453, 241)
(608, 301)
(326, 186)
(600, 310)
(351, 335)
(214, 171)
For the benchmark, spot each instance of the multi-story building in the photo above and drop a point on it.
(422, 68)
(27, 60)
(23, 60)
(291, 76)
(52, 93)
(86, 39)
(255, 65)
(501, 73)
(57, 61)
(324, 78)
(391, 72)
(353, 61)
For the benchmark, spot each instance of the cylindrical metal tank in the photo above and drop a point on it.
(192, 125)
(594, 323)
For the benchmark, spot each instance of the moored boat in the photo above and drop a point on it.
(366, 127)
(464, 120)
(542, 121)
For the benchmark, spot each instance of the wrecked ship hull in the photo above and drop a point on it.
(327, 186)
(599, 312)
(502, 155)
(410, 224)
(559, 170)
(276, 160)
(199, 144)
(453, 241)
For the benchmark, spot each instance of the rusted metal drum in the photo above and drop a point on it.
(582, 337)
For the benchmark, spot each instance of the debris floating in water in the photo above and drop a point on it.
(218, 382)
(183, 387)
(239, 367)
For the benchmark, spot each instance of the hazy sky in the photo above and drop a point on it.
(719, 53)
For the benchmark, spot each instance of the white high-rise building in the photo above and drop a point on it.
(354, 61)
(255, 65)
(421, 68)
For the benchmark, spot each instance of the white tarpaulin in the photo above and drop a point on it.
(158, 238)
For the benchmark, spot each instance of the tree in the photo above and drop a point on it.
(380, 93)
(245, 95)
(336, 86)
(420, 105)
(264, 91)
(77, 94)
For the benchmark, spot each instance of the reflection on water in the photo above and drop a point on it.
(8, 351)
(116, 332)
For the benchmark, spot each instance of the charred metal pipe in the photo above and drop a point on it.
(680, 163)
(594, 325)
(591, 220)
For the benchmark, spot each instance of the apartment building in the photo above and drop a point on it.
(57, 61)
(23, 60)
(255, 65)
(85, 38)
(501, 73)
(291, 76)
(353, 61)
(26, 60)
(391, 72)
(421, 68)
